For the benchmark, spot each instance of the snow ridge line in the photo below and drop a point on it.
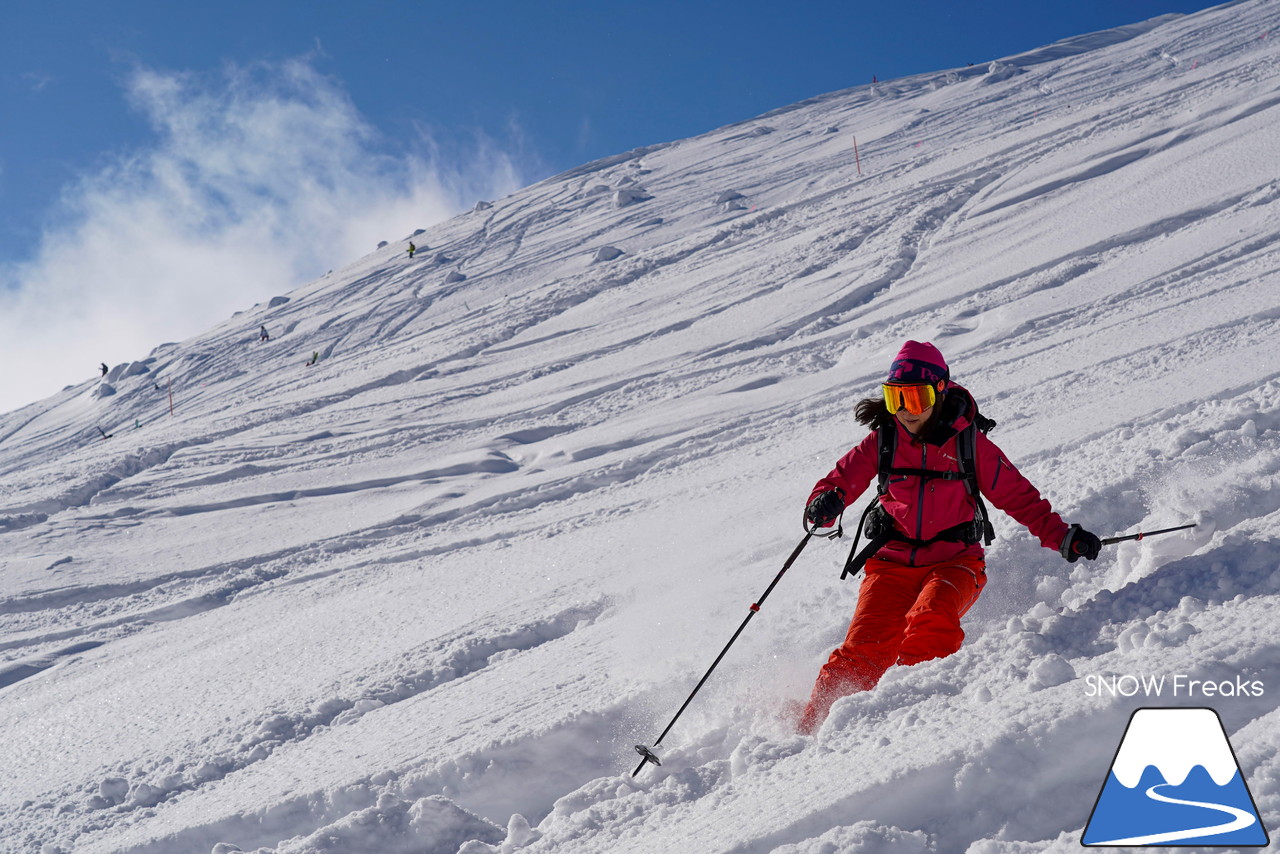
(1237, 567)
(65, 596)
(495, 463)
(84, 493)
(13, 673)
(461, 779)
(206, 601)
(462, 655)
(575, 291)
(250, 572)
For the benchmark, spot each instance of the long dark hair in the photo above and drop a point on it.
(870, 412)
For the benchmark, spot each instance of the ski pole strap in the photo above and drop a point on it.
(834, 534)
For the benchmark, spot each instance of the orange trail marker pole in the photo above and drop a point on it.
(857, 157)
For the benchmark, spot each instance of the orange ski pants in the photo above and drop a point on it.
(905, 615)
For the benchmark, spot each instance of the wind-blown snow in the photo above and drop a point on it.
(425, 594)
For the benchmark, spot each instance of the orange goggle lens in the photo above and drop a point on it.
(913, 398)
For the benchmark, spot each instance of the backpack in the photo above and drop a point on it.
(876, 525)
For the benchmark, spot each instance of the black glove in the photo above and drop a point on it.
(824, 508)
(1079, 543)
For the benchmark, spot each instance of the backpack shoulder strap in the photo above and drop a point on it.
(886, 442)
(967, 447)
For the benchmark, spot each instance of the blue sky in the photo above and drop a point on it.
(235, 127)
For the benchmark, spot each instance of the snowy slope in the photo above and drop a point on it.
(425, 595)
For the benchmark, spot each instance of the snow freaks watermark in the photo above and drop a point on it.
(1178, 686)
(1175, 780)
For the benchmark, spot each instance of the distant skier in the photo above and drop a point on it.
(315, 357)
(263, 334)
(104, 369)
(930, 566)
(412, 249)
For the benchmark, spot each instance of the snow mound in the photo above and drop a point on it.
(432, 825)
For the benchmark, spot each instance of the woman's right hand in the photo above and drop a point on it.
(825, 508)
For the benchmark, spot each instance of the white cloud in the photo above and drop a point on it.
(259, 178)
(37, 80)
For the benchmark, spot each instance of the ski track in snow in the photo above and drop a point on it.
(425, 594)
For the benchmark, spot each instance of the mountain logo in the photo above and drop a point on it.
(1175, 781)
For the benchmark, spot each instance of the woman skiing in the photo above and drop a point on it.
(928, 523)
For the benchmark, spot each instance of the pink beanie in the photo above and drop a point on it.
(919, 363)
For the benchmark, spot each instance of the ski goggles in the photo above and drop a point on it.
(915, 398)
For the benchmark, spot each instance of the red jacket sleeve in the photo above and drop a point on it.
(854, 473)
(1005, 487)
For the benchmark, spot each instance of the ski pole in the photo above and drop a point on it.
(1110, 540)
(646, 751)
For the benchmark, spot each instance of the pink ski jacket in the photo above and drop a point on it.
(922, 507)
